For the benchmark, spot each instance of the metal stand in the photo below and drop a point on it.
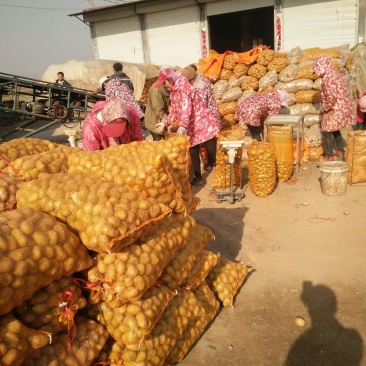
(233, 194)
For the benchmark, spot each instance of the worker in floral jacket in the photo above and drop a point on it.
(336, 107)
(189, 108)
(254, 110)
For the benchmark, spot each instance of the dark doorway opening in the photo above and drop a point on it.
(242, 30)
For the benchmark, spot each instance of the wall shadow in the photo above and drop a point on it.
(327, 342)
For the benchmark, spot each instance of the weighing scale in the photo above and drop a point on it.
(231, 196)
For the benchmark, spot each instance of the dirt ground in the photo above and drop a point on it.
(308, 261)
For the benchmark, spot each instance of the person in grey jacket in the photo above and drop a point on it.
(119, 74)
(158, 103)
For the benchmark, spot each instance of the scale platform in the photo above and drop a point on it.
(226, 195)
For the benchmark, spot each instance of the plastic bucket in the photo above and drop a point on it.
(334, 178)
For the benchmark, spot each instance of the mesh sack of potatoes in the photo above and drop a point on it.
(295, 85)
(204, 262)
(306, 72)
(250, 82)
(318, 84)
(305, 108)
(197, 326)
(52, 308)
(150, 174)
(265, 57)
(8, 189)
(232, 94)
(29, 167)
(315, 52)
(229, 62)
(157, 346)
(313, 135)
(82, 349)
(280, 138)
(181, 264)
(269, 79)
(227, 108)
(35, 249)
(127, 275)
(17, 341)
(221, 177)
(307, 96)
(176, 147)
(257, 71)
(14, 149)
(278, 64)
(233, 81)
(350, 62)
(315, 153)
(107, 217)
(294, 56)
(229, 120)
(240, 70)
(266, 90)
(226, 278)
(288, 73)
(219, 88)
(262, 168)
(291, 98)
(312, 119)
(246, 94)
(133, 322)
(225, 74)
(356, 157)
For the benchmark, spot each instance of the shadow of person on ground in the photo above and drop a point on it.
(327, 342)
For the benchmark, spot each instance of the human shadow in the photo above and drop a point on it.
(327, 342)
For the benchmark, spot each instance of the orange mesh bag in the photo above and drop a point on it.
(156, 347)
(203, 264)
(257, 71)
(89, 339)
(29, 167)
(262, 168)
(181, 265)
(265, 57)
(278, 64)
(280, 138)
(14, 149)
(150, 174)
(107, 217)
(356, 157)
(133, 322)
(227, 108)
(125, 276)
(229, 62)
(221, 177)
(315, 52)
(52, 308)
(250, 82)
(35, 249)
(315, 153)
(196, 326)
(8, 189)
(307, 96)
(176, 148)
(17, 341)
(226, 278)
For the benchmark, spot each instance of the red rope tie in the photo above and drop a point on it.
(101, 363)
(16, 173)
(68, 314)
(319, 220)
(86, 284)
(292, 181)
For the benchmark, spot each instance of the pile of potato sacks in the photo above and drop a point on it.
(101, 262)
(292, 72)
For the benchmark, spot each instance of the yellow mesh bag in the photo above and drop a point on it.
(226, 278)
(315, 152)
(315, 52)
(227, 108)
(52, 308)
(14, 149)
(229, 62)
(107, 217)
(35, 249)
(265, 57)
(250, 82)
(203, 264)
(125, 276)
(306, 72)
(150, 174)
(181, 265)
(8, 189)
(221, 177)
(278, 64)
(240, 70)
(228, 120)
(196, 326)
(29, 167)
(262, 168)
(257, 71)
(356, 157)
(225, 74)
(89, 339)
(133, 322)
(280, 138)
(17, 341)
(307, 96)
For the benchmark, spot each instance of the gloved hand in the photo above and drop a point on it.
(159, 127)
(181, 130)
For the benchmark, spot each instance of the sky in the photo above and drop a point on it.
(35, 34)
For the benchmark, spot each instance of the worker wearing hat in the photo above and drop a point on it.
(102, 85)
(110, 123)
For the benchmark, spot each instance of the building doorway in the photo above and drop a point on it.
(243, 30)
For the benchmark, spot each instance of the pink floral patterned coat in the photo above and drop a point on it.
(195, 108)
(255, 109)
